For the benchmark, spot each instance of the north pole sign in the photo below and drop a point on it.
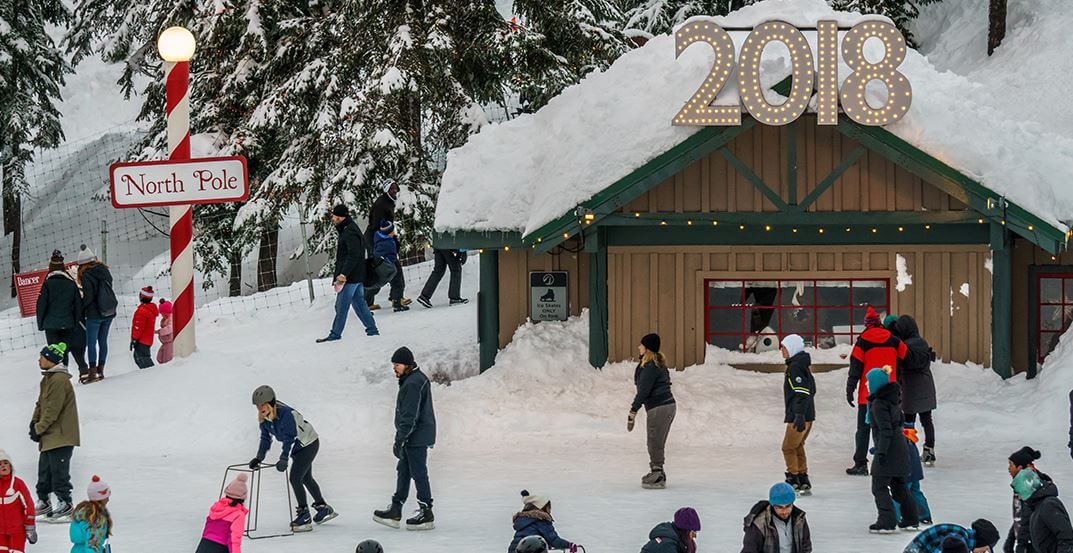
(207, 180)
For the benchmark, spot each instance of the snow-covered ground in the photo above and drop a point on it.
(541, 419)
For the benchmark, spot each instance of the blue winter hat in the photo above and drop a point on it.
(781, 494)
(877, 378)
(387, 227)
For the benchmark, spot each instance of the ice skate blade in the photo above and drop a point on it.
(804, 493)
(387, 522)
(327, 518)
(66, 519)
(302, 528)
(654, 486)
(421, 527)
(882, 531)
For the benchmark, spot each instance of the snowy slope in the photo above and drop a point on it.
(541, 419)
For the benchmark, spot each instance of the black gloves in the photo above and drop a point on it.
(281, 465)
(132, 342)
(34, 436)
(799, 423)
(398, 449)
(255, 462)
(849, 398)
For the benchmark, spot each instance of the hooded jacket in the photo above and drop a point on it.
(885, 418)
(55, 416)
(536, 522)
(799, 388)
(1019, 538)
(98, 298)
(876, 347)
(383, 209)
(664, 539)
(59, 307)
(762, 537)
(143, 327)
(415, 419)
(16, 505)
(225, 524)
(1049, 522)
(918, 385)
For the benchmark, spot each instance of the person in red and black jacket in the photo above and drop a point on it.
(876, 347)
(142, 328)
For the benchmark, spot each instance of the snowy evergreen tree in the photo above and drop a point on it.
(899, 11)
(662, 16)
(32, 71)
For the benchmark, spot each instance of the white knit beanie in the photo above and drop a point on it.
(98, 490)
(538, 501)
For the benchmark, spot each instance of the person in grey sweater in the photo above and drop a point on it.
(653, 382)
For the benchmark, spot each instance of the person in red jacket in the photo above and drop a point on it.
(142, 329)
(876, 347)
(16, 509)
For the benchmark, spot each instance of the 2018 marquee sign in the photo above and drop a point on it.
(699, 111)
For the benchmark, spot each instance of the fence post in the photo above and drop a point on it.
(305, 256)
(104, 241)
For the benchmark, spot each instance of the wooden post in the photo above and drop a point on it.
(596, 247)
(488, 309)
(1001, 301)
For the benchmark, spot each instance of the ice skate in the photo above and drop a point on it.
(61, 514)
(423, 520)
(804, 487)
(302, 522)
(43, 507)
(791, 479)
(324, 513)
(859, 469)
(909, 527)
(548, 296)
(655, 480)
(878, 529)
(928, 458)
(390, 516)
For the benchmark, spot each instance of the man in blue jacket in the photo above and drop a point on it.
(415, 433)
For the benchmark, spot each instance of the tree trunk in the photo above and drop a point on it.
(996, 29)
(12, 218)
(266, 260)
(234, 281)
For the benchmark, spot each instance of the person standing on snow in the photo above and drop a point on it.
(890, 468)
(1048, 522)
(1019, 539)
(227, 520)
(143, 327)
(59, 314)
(299, 445)
(653, 382)
(385, 260)
(776, 525)
(166, 333)
(444, 260)
(979, 538)
(54, 426)
(92, 522)
(875, 347)
(679, 536)
(415, 434)
(918, 384)
(535, 520)
(99, 304)
(384, 210)
(349, 276)
(17, 522)
(798, 393)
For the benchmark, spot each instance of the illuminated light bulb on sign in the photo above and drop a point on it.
(749, 71)
(827, 67)
(899, 91)
(699, 109)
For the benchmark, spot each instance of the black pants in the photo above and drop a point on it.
(884, 488)
(54, 473)
(143, 356)
(928, 424)
(209, 546)
(398, 285)
(413, 465)
(862, 437)
(75, 338)
(444, 259)
(302, 474)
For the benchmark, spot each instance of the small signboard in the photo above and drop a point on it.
(28, 288)
(209, 180)
(548, 299)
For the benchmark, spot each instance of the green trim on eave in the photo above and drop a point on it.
(729, 235)
(777, 219)
(475, 239)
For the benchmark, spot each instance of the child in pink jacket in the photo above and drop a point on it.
(226, 521)
(167, 335)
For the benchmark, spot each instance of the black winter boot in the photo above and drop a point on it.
(792, 480)
(390, 516)
(422, 520)
(859, 469)
(804, 487)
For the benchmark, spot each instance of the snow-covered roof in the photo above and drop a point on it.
(521, 174)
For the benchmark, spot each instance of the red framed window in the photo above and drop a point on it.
(1054, 310)
(752, 314)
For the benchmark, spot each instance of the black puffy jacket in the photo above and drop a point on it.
(918, 384)
(664, 538)
(885, 418)
(1049, 522)
(350, 252)
(59, 307)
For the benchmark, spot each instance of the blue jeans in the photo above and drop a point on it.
(413, 465)
(917, 495)
(352, 295)
(97, 333)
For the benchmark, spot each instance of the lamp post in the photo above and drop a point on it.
(176, 46)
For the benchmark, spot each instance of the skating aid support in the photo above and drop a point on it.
(255, 495)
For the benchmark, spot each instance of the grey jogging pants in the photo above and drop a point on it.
(658, 421)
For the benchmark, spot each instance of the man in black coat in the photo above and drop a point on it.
(384, 210)
(918, 384)
(59, 312)
(890, 467)
(415, 433)
(349, 276)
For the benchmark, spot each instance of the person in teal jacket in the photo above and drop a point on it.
(91, 523)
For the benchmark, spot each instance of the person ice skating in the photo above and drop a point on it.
(91, 523)
(1019, 539)
(415, 433)
(532, 544)
(875, 347)
(349, 276)
(384, 210)
(776, 525)
(1048, 522)
(535, 520)
(54, 426)
(299, 445)
(166, 333)
(143, 327)
(99, 305)
(890, 468)
(59, 313)
(980, 537)
(679, 536)
(798, 391)
(916, 474)
(386, 257)
(653, 382)
(17, 523)
(227, 520)
(444, 260)
(369, 546)
(918, 385)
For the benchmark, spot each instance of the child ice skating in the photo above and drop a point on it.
(300, 444)
(798, 391)
(916, 474)
(653, 382)
(166, 333)
(535, 520)
(979, 538)
(54, 426)
(890, 468)
(776, 524)
(142, 329)
(678, 536)
(227, 520)
(92, 523)
(17, 525)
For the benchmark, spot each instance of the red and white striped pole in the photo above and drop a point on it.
(176, 46)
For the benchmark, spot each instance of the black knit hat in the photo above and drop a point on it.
(1024, 456)
(651, 342)
(404, 356)
(986, 533)
(341, 210)
(954, 544)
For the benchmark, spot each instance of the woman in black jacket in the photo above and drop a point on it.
(59, 312)
(653, 382)
(890, 468)
(918, 385)
(99, 304)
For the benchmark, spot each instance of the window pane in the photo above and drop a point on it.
(798, 293)
(761, 297)
(869, 292)
(832, 293)
(797, 320)
(1069, 289)
(1047, 342)
(834, 321)
(732, 343)
(724, 292)
(725, 320)
(858, 317)
(1050, 317)
(1050, 290)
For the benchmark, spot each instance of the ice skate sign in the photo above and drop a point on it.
(548, 299)
(209, 180)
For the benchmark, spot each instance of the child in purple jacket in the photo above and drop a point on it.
(227, 520)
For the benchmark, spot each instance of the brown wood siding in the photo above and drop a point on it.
(514, 268)
(1025, 255)
(662, 290)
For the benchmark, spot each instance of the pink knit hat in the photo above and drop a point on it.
(237, 488)
(98, 490)
(166, 307)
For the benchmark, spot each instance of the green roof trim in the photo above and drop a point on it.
(475, 239)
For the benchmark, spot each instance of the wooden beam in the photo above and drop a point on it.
(752, 177)
(488, 309)
(1001, 301)
(832, 177)
(598, 302)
